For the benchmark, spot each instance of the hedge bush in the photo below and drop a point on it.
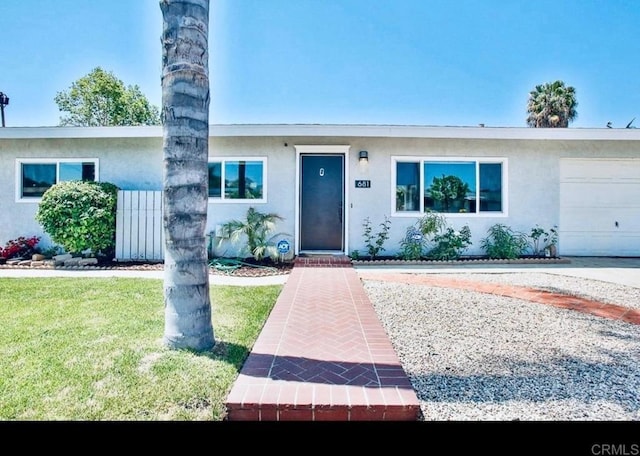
(80, 216)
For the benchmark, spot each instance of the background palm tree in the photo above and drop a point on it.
(185, 115)
(552, 105)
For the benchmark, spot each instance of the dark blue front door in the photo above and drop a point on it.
(322, 203)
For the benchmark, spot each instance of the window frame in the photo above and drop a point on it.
(223, 161)
(48, 161)
(421, 160)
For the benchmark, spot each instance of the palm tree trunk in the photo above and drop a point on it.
(185, 112)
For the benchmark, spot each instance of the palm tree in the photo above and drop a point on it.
(552, 105)
(185, 115)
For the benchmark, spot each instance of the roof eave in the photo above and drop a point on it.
(328, 130)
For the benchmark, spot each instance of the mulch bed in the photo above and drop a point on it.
(245, 268)
(249, 267)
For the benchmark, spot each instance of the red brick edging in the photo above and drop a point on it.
(563, 301)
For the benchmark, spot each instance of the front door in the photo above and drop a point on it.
(322, 202)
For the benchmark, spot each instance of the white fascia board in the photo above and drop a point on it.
(325, 130)
(409, 131)
(80, 132)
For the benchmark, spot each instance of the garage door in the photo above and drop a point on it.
(599, 207)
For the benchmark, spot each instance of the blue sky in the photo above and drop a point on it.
(417, 62)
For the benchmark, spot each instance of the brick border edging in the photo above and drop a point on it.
(319, 261)
(555, 299)
(461, 262)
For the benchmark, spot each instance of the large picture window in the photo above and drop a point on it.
(234, 179)
(449, 185)
(37, 176)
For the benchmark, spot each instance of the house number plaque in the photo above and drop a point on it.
(363, 184)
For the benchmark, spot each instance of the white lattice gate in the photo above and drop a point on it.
(139, 234)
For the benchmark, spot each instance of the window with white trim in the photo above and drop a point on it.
(238, 179)
(449, 185)
(36, 176)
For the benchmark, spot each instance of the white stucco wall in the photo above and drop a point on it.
(280, 188)
(532, 176)
(532, 182)
(135, 163)
(129, 163)
(525, 207)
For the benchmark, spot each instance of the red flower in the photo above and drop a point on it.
(20, 247)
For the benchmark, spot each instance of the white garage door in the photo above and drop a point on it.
(599, 207)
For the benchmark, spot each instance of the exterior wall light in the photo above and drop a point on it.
(363, 156)
(4, 101)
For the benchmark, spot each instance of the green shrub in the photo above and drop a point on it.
(412, 245)
(257, 228)
(80, 216)
(431, 223)
(433, 238)
(419, 235)
(504, 243)
(450, 243)
(375, 241)
(536, 235)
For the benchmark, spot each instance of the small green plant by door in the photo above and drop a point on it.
(375, 241)
(257, 227)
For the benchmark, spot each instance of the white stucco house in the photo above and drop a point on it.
(325, 180)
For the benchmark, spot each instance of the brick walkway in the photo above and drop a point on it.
(322, 355)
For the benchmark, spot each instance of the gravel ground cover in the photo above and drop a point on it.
(475, 356)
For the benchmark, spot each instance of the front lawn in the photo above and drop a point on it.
(91, 349)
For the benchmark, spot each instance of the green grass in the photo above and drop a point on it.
(91, 349)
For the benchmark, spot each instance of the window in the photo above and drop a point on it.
(449, 185)
(238, 179)
(36, 176)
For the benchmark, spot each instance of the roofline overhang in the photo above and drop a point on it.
(329, 130)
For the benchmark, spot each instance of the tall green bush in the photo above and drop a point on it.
(375, 241)
(502, 242)
(80, 216)
(432, 237)
(412, 245)
(451, 243)
(418, 236)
